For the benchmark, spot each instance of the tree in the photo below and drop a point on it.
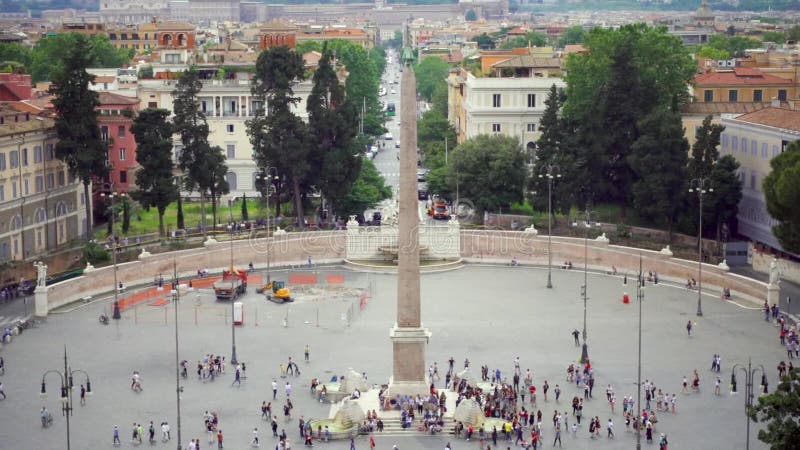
(46, 55)
(279, 137)
(154, 179)
(14, 53)
(723, 202)
(658, 194)
(572, 35)
(705, 149)
(707, 51)
(79, 144)
(368, 190)
(531, 39)
(180, 220)
(490, 170)
(549, 149)
(471, 15)
(245, 216)
(430, 74)
(127, 208)
(734, 45)
(335, 151)
(773, 36)
(782, 193)
(200, 163)
(779, 411)
(485, 42)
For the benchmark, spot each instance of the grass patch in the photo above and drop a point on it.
(146, 222)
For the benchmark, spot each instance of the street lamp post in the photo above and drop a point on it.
(234, 360)
(550, 171)
(113, 195)
(584, 288)
(176, 295)
(701, 186)
(66, 389)
(267, 177)
(640, 298)
(749, 376)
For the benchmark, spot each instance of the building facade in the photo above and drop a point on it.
(754, 139)
(742, 84)
(42, 207)
(128, 12)
(508, 106)
(115, 118)
(205, 11)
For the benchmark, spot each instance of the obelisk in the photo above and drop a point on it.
(408, 336)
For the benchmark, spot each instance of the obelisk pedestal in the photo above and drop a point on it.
(408, 336)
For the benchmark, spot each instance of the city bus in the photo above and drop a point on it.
(390, 111)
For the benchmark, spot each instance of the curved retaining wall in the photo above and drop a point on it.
(330, 247)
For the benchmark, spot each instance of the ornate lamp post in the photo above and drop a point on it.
(749, 377)
(66, 389)
(701, 186)
(176, 295)
(267, 177)
(550, 171)
(584, 288)
(234, 360)
(640, 298)
(111, 195)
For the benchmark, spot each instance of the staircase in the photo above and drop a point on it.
(392, 427)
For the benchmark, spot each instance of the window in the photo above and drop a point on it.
(495, 100)
(203, 106)
(775, 150)
(13, 189)
(724, 141)
(531, 100)
(744, 145)
(764, 150)
(531, 127)
(2, 192)
(122, 153)
(121, 131)
(172, 58)
(123, 176)
(49, 154)
(104, 133)
(37, 154)
(61, 178)
(49, 181)
(708, 95)
(152, 104)
(231, 178)
(13, 158)
(734, 143)
(39, 183)
(782, 95)
(2, 161)
(733, 96)
(24, 156)
(27, 185)
(229, 127)
(758, 95)
(256, 106)
(754, 147)
(231, 151)
(496, 127)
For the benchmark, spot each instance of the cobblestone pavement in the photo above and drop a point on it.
(488, 314)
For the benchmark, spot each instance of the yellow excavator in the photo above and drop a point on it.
(277, 291)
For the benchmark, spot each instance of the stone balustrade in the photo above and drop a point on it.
(331, 247)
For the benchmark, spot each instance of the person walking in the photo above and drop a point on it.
(219, 438)
(237, 377)
(371, 442)
(274, 389)
(255, 437)
(575, 334)
(352, 443)
(689, 328)
(2, 390)
(116, 440)
(306, 352)
(610, 428)
(83, 395)
(557, 437)
(287, 389)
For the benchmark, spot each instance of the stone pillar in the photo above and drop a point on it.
(408, 335)
(40, 301)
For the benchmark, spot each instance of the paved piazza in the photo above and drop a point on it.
(490, 314)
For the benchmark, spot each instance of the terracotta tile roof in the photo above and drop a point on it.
(108, 98)
(104, 79)
(740, 76)
(529, 61)
(788, 119)
(575, 48)
(705, 109)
